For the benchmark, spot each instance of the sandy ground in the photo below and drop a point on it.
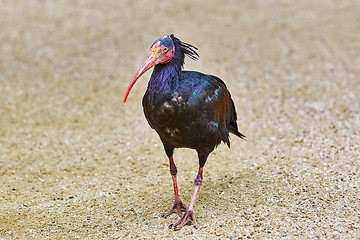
(75, 164)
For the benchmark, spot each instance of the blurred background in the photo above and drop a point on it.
(74, 163)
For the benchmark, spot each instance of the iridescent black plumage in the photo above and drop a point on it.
(187, 109)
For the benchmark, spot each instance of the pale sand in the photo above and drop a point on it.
(75, 164)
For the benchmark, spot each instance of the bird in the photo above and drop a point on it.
(187, 109)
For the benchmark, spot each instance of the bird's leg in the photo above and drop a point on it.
(189, 214)
(178, 206)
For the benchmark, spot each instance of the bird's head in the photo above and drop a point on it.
(161, 52)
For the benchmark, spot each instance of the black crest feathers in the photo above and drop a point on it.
(187, 49)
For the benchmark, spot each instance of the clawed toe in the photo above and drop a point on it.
(188, 216)
(178, 208)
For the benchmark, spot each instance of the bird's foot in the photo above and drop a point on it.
(178, 208)
(188, 216)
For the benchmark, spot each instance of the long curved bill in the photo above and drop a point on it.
(149, 63)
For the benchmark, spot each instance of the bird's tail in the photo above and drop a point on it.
(233, 128)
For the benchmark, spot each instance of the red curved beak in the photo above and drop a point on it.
(149, 63)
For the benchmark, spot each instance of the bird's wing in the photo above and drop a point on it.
(230, 113)
(209, 93)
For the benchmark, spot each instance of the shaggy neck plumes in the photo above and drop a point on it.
(164, 78)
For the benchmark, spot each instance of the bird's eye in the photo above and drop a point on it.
(165, 49)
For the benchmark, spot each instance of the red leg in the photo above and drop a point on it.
(189, 215)
(178, 206)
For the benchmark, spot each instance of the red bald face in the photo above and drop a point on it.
(163, 53)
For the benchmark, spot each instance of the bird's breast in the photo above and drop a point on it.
(164, 109)
(177, 122)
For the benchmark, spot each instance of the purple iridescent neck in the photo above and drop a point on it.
(164, 78)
